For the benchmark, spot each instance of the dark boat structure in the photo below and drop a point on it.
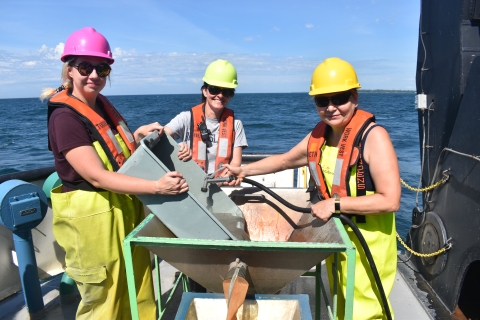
(448, 88)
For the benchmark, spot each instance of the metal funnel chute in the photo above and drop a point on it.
(271, 265)
(188, 215)
(285, 244)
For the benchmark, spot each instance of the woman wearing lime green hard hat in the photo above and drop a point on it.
(215, 136)
(354, 167)
(95, 208)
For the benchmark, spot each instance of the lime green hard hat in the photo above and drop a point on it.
(221, 73)
(333, 75)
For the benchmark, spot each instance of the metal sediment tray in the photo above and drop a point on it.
(191, 214)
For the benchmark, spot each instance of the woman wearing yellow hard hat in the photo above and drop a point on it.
(215, 136)
(355, 169)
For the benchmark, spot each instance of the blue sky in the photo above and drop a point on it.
(163, 47)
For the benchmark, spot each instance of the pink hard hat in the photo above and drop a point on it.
(87, 42)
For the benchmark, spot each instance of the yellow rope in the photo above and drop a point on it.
(425, 255)
(438, 183)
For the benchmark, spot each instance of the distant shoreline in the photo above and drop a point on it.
(386, 91)
(162, 94)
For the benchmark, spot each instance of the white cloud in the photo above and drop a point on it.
(195, 80)
(51, 53)
(309, 26)
(43, 49)
(119, 53)
(59, 50)
(248, 39)
(276, 29)
(164, 72)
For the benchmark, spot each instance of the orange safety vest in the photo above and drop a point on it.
(99, 127)
(226, 137)
(348, 156)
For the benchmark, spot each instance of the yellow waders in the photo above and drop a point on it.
(379, 233)
(90, 227)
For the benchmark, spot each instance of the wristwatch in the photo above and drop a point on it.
(337, 203)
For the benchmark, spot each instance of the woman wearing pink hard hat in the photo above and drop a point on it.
(95, 207)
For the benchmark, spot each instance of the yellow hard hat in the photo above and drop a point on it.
(221, 73)
(333, 75)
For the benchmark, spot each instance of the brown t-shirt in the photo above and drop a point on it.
(66, 131)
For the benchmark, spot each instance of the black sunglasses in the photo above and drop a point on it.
(227, 93)
(336, 100)
(85, 68)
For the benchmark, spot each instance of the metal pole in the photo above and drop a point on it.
(350, 286)
(27, 267)
(132, 290)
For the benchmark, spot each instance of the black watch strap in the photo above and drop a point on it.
(337, 203)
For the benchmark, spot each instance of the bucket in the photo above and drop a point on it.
(210, 306)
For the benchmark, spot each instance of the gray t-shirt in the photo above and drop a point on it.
(180, 126)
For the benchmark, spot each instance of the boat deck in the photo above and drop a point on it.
(407, 303)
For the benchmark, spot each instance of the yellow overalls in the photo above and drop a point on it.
(379, 233)
(90, 226)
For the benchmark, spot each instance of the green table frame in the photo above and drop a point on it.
(347, 247)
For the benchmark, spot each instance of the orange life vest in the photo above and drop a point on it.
(99, 127)
(348, 155)
(226, 138)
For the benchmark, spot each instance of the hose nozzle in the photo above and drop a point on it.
(208, 180)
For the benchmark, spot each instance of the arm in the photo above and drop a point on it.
(380, 155)
(168, 130)
(236, 157)
(240, 143)
(86, 162)
(236, 162)
(294, 158)
(184, 153)
(145, 130)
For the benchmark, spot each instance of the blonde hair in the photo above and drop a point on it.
(66, 82)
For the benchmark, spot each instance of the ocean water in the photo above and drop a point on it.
(274, 123)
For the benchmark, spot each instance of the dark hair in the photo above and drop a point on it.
(205, 86)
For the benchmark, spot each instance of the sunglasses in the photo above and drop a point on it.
(336, 100)
(85, 68)
(227, 93)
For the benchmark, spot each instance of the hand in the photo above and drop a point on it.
(233, 183)
(145, 130)
(171, 183)
(185, 153)
(324, 209)
(236, 171)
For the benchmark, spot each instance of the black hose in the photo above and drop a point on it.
(345, 220)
